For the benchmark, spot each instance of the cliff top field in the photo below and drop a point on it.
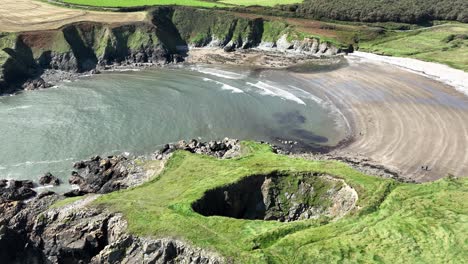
(29, 15)
(393, 222)
(199, 3)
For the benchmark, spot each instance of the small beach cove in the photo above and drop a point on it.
(362, 110)
(136, 112)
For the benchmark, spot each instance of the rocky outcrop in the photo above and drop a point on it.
(226, 148)
(14, 190)
(112, 173)
(32, 233)
(99, 175)
(49, 179)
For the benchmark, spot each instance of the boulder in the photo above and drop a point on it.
(49, 179)
(16, 190)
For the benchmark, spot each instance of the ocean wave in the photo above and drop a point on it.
(225, 86)
(267, 89)
(19, 107)
(303, 94)
(220, 73)
(30, 163)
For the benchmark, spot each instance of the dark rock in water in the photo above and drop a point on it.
(3, 183)
(19, 184)
(48, 178)
(16, 190)
(35, 84)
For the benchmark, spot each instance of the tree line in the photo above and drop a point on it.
(405, 11)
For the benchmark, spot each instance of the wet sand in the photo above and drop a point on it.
(399, 119)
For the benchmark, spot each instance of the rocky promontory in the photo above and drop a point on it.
(33, 230)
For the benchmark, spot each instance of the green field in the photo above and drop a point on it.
(260, 2)
(200, 3)
(395, 222)
(446, 44)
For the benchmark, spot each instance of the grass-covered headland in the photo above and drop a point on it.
(392, 223)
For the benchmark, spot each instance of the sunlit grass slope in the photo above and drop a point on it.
(446, 44)
(396, 222)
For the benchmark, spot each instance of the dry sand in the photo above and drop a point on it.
(29, 15)
(400, 119)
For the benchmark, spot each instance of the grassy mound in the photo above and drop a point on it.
(395, 222)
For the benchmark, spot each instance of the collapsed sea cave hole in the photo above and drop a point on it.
(280, 196)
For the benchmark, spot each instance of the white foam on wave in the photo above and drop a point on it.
(124, 70)
(303, 94)
(225, 86)
(267, 89)
(220, 73)
(29, 163)
(443, 73)
(19, 107)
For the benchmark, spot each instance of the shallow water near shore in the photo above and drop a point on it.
(137, 112)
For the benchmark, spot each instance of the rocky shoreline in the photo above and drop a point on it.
(261, 59)
(76, 233)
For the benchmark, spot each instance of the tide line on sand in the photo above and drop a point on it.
(436, 71)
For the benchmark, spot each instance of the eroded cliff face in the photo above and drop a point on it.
(76, 233)
(166, 37)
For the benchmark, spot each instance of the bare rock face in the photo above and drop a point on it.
(14, 190)
(32, 233)
(35, 84)
(226, 148)
(100, 175)
(307, 46)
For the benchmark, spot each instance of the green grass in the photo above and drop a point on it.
(429, 44)
(396, 223)
(66, 201)
(7, 40)
(199, 3)
(130, 3)
(261, 2)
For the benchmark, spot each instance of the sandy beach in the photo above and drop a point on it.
(400, 119)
